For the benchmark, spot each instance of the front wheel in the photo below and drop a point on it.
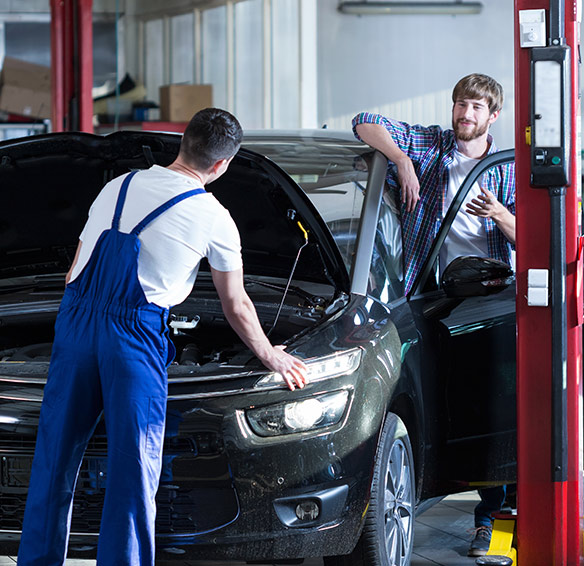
(388, 533)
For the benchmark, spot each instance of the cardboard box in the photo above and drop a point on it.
(25, 88)
(178, 103)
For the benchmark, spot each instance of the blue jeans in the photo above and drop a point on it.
(492, 499)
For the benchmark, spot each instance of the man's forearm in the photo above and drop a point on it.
(243, 318)
(505, 221)
(378, 137)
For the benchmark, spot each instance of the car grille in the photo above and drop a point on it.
(21, 443)
(183, 504)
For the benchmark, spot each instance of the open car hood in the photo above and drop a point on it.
(48, 183)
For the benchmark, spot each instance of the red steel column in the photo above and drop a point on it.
(67, 65)
(85, 70)
(575, 483)
(57, 49)
(72, 64)
(549, 524)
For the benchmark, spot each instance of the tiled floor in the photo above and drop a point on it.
(441, 537)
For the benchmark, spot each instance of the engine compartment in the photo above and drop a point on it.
(198, 329)
(287, 248)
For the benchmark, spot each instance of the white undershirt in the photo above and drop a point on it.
(467, 235)
(174, 243)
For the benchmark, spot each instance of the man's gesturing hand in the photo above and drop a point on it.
(485, 205)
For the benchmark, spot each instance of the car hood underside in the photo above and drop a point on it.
(49, 182)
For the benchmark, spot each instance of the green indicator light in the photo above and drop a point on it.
(556, 160)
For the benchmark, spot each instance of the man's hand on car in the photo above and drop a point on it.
(292, 369)
(408, 180)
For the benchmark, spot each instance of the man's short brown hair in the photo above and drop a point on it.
(211, 135)
(477, 86)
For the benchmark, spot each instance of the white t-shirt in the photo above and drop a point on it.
(467, 235)
(173, 244)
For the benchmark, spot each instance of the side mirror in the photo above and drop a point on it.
(471, 276)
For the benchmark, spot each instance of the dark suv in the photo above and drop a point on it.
(410, 396)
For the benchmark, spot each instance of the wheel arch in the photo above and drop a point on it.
(403, 406)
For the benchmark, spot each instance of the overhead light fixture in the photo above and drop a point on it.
(402, 8)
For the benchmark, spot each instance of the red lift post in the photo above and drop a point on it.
(72, 65)
(549, 343)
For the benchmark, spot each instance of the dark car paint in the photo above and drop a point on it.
(475, 377)
(234, 477)
(476, 348)
(407, 368)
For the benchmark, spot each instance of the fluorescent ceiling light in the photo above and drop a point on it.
(396, 8)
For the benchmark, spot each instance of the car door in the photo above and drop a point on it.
(470, 335)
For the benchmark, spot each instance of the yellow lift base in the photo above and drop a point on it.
(501, 550)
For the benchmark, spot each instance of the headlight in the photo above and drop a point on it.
(341, 363)
(298, 416)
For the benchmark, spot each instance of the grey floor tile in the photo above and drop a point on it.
(7, 561)
(418, 560)
(464, 502)
(450, 518)
(441, 557)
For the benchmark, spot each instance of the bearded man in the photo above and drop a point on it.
(428, 165)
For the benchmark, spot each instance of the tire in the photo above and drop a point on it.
(388, 533)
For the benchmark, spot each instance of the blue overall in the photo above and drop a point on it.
(110, 355)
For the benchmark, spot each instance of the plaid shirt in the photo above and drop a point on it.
(431, 151)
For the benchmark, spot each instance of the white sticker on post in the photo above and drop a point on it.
(537, 287)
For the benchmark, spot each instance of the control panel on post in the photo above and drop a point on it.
(550, 116)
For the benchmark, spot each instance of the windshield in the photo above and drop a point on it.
(332, 172)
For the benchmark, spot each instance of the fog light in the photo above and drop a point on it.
(307, 511)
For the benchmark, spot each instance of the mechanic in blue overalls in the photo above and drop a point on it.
(138, 255)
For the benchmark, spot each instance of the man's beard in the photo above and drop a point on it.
(466, 135)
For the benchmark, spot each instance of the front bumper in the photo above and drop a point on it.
(225, 493)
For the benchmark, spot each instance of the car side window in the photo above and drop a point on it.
(340, 206)
(386, 277)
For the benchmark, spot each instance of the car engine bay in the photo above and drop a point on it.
(198, 329)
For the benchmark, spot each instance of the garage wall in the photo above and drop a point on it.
(405, 66)
(259, 56)
(401, 66)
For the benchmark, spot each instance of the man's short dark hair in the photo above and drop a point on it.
(477, 86)
(211, 135)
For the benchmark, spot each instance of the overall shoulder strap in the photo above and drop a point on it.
(163, 208)
(121, 200)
